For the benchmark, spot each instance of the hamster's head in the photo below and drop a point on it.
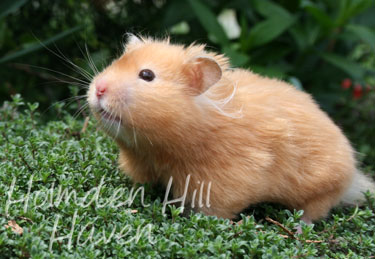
(152, 87)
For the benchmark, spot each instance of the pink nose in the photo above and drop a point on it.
(101, 87)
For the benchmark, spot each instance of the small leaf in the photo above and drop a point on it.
(272, 72)
(349, 9)
(269, 9)
(350, 67)
(363, 33)
(33, 106)
(299, 37)
(237, 58)
(38, 45)
(319, 15)
(268, 30)
(180, 28)
(9, 6)
(305, 35)
(208, 20)
(176, 12)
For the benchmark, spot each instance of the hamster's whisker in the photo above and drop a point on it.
(88, 59)
(73, 98)
(104, 123)
(132, 125)
(69, 100)
(83, 81)
(80, 110)
(79, 69)
(112, 120)
(61, 56)
(118, 127)
(93, 66)
(80, 85)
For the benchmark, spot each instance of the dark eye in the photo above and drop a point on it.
(147, 75)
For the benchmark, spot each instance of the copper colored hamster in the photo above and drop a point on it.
(176, 111)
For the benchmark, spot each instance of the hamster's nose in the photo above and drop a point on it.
(101, 87)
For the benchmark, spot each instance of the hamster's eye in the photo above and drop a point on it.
(147, 75)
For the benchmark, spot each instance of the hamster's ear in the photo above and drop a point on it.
(132, 39)
(202, 73)
(132, 42)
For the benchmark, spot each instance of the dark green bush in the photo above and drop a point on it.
(304, 42)
(355, 111)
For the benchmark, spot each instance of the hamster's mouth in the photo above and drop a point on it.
(108, 116)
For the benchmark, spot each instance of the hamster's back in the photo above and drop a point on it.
(311, 156)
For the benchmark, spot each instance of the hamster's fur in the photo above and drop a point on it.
(254, 138)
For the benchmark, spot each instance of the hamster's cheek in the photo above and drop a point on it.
(92, 99)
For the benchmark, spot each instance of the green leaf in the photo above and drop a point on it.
(355, 70)
(244, 37)
(38, 45)
(305, 35)
(320, 16)
(279, 19)
(176, 12)
(349, 8)
(208, 20)
(363, 33)
(272, 72)
(10, 6)
(237, 58)
(268, 30)
(270, 9)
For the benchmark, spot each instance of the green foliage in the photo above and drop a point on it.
(9, 6)
(27, 29)
(314, 31)
(355, 108)
(60, 157)
(358, 120)
(36, 46)
(209, 21)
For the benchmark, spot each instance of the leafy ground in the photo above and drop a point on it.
(63, 196)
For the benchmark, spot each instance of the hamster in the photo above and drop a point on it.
(182, 113)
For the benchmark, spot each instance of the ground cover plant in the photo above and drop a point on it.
(305, 42)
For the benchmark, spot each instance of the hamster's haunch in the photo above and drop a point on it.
(176, 111)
